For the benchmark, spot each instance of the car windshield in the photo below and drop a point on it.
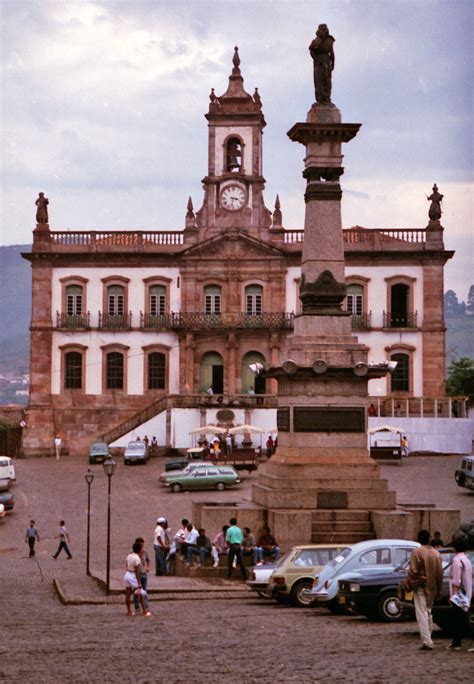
(99, 446)
(282, 560)
(135, 446)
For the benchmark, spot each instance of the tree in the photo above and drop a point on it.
(460, 381)
(470, 301)
(451, 304)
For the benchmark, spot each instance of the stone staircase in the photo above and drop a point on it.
(207, 571)
(341, 526)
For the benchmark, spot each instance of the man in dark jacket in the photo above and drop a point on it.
(425, 575)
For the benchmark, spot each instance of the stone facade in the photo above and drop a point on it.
(229, 285)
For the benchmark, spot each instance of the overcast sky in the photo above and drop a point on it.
(104, 103)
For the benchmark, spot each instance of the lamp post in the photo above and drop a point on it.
(109, 470)
(89, 477)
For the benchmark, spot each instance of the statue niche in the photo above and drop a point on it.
(233, 155)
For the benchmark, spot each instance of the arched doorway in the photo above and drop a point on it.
(212, 373)
(399, 305)
(249, 380)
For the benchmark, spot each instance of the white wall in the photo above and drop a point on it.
(441, 435)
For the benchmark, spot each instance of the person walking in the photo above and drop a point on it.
(133, 584)
(235, 537)
(32, 536)
(64, 540)
(425, 577)
(460, 585)
(145, 566)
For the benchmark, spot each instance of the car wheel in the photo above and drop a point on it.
(300, 594)
(334, 607)
(460, 478)
(176, 487)
(389, 608)
(220, 486)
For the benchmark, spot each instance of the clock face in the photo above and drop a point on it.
(233, 197)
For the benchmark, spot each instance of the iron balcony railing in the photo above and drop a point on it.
(362, 321)
(115, 321)
(154, 321)
(400, 320)
(73, 321)
(180, 320)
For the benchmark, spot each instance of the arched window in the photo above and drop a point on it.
(212, 299)
(212, 373)
(252, 383)
(157, 302)
(355, 300)
(399, 305)
(400, 381)
(156, 371)
(254, 300)
(233, 155)
(74, 300)
(115, 300)
(114, 372)
(72, 370)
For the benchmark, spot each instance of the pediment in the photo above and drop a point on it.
(235, 246)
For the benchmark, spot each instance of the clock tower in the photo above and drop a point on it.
(233, 187)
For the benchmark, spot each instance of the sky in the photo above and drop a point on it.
(103, 107)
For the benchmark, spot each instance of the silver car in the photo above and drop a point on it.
(365, 558)
(136, 452)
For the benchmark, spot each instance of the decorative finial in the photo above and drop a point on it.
(256, 98)
(435, 198)
(236, 61)
(190, 208)
(42, 210)
(277, 216)
(212, 96)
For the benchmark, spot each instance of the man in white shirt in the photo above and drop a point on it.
(190, 539)
(57, 446)
(161, 545)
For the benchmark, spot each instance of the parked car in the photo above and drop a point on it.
(2, 511)
(202, 477)
(136, 452)
(98, 452)
(363, 559)
(7, 469)
(181, 461)
(442, 612)
(8, 500)
(293, 576)
(465, 475)
(259, 577)
(189, 468)
(5, 484)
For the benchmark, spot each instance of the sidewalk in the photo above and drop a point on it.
(91, 590)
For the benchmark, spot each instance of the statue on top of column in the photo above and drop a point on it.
(435, 198)
(42, 210)
(322, 52)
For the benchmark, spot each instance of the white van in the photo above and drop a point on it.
(7, 469)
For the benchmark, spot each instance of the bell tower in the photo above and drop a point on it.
(234, 184)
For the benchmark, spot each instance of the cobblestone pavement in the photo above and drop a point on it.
(201, 640)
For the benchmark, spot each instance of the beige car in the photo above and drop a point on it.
(293, 576)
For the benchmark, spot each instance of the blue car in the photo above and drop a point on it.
(361, 560)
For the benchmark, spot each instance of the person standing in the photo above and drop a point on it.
(228, 444)
(460, 579)
(234, 537)
(64, 540)
(425, 576)
(132, 580)
(57, 446)
(144, 570)
(161, 545)
(32, 536)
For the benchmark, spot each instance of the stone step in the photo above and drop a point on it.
(342, 526)
(353, 515)
(341, 537)
(207, 571)
(373, 499)
(326, 483)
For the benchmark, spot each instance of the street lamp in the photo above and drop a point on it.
(89, 477)
(109, 470)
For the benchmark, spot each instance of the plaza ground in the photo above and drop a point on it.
(201, 640)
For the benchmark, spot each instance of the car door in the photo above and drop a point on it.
(199, 479)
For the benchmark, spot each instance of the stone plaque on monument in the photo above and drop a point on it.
(328, 419)
(283, 419)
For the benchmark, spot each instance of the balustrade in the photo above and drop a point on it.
(400, 319)
(115, 321)
(72, 321)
